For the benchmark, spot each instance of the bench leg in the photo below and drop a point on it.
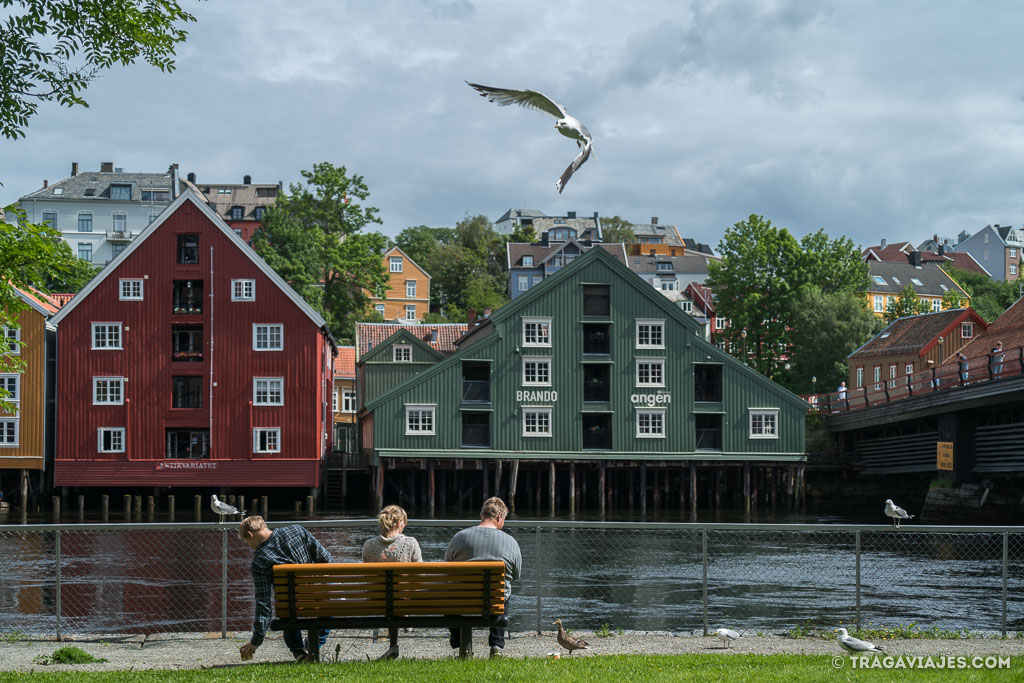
(465, 642)
(314, 644)
(393, 635)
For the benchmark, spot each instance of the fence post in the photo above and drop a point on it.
(856, 535)
(224, 584)
(1006, 544)
(538, 555)
(57, 548)
(704, 554)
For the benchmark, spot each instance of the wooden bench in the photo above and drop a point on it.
(389, 595)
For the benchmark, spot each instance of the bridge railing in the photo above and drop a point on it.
(949, 376)
(120, 579)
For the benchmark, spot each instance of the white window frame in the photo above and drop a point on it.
(651, 325)
(380, 308)
(523, 282)
(334, 402)
(13, 340)
(270, 444)
(878, 377)
(967, 330)
(420, 428)
(393, 262)
(879, 280)
(82, 247)
(652, 362)
(15, 432)
(720, 323)
(917, 281)
(1013, 269)
(860, 377)
(1013, 252)
(107, 347)
(909, 369)
(527, 262)
(108, 383)
(11, 381)
(348, 401)
(539, 361)
(536, 340)
(130, 289)
(878, 304)
(647, 431)
(410, 311)
(269, 386)
(256, 329)
(400, 350)
(115, 432)
(763, 431)
(936, 305)
(243, 290)
(410, 289)
(117, 218)
(537, 410)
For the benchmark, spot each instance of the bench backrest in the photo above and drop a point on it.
(389, 589)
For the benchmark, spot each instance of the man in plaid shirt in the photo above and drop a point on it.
(290, 545)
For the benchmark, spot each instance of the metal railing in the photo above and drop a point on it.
(949, 376)
(149, 578)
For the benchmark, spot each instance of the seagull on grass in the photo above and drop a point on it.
(896, 512)
(569, 126)
(726, 635)
(222, 508)
(855, 645)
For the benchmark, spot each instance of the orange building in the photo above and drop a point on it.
(344, 403)
(408, 296)
(24, 443)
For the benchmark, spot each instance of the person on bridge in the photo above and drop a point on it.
(962, 362)
(289, 545)
(483, 542)
(392, 546)
(995, 360)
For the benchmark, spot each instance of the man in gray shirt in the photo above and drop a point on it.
(488, 542)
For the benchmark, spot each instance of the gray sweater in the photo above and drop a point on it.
(400, 548)
(486, 543)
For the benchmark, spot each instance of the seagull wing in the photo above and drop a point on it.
(856, 645)
(531, 99)
(574, 166)
(900, 512)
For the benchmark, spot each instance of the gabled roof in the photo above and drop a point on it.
(691, 263)
(519, 213)
(631, 279)
(402, 336)
(38, 301)
(916, 334)
(407, 258)
(61, 299)
(372, 335)
(964, 260)
(243, 248)
(668, 233)
(249, 197)
(698, 247)
(702, 297)
(896, 276)
(345, 363)
(905, 247)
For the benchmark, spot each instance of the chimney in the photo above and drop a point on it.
(882, 245)
(915, 259)
(106, 167)
(471, 316)
(942, 250)
(191, 177)
(247, 180)
(654, 220)
(572, 214)
(46, 183)
(595, 214)
(74, 168)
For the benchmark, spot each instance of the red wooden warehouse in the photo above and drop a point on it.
(189, 362)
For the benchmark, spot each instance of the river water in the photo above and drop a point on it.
(145, 581)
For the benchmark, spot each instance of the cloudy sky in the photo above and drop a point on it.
(869, 119)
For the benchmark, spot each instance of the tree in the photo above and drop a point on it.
(616, 229)
(826, 329)
(907, 303)
(53, 49)
(524, 234)
(989, 298)
(421, 244)
(311, 237)
(833, 265)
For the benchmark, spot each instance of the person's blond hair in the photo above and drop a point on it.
(494, 508)
(390, 518)
(251, 525)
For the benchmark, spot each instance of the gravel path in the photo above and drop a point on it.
(197, 651)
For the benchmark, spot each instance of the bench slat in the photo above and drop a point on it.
(445, 568)
(452, 611)
(433, 596)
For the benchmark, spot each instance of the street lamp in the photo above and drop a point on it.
(814, 385)
(743, 334)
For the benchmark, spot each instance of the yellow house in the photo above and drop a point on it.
(23, 440)
(929, 282)
(344, 400)
(408, 296)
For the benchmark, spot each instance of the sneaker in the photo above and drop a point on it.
(496, 653)
(456, 654)
(301, 657)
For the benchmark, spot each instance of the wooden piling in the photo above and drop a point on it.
(430, 486)
(170, 507)
(265, 507)
(718, 488)
(127, 507)
(55, 501)
(379, 497)
(197, 507)
(790, 477)
(254, 507)
(309, 506)
(150, 508)
(657, 490)
(693, 486)
(774, 472)
(551, 486)
(81, 507)
(298, 509)
(754, 493)
(484, 467)
(602, 492)
(630, 494)
(536, 491)
(105, 507)
(746, 485)
(643, 488)
(803, 488)
(138, 508)
(513, 482)
(498, 467)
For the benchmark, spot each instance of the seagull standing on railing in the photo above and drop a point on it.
(222, 508)
(896, 512)
(568, 126)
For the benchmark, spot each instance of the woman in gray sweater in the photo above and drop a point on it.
(392, 546)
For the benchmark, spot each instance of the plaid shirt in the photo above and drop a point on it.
(289, 545)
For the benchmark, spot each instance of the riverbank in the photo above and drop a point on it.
(193, 651)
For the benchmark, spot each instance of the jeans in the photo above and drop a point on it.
(495, 638)
(293, 639)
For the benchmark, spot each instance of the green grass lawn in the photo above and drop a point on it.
(618, 668)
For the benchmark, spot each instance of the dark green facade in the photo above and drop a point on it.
(604, 396)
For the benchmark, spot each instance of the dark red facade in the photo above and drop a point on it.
(188, 361)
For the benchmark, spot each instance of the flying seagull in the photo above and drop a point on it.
(896, 512)
(855, 645)
(726, 635)
(222, 508)
(567, 125)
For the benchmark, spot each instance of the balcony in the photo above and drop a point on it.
(119, 235)
(187, 297)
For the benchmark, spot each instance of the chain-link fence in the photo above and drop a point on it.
(150, 578)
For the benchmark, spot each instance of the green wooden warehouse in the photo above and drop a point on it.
(591, 390)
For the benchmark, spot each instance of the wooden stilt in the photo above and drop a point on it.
(775, 484)
(572, 489)
(536, 491)
(583, 489)
(81, 507)
(484, 466)
(682, 487)
(170, 507)
(443, 490)
(790, 477)
(803, 488)
(693, 486)
(150, 507)
(718, 488)
(629, 490)
(643, 488)
(513, 482)
(430, 484)
(498, 467)
(265, 507)
(754, 494)
(551, 487)
(746, 485)
(602, 494)
(197, 507)
(657, 490)
(55, 502)
(379, 496)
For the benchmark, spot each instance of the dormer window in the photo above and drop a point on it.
(237, 213)
(258, 212)
(527, 262)
(120, 192)
(664, 265)
(156, 195)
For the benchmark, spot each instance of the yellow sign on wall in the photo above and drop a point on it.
(944, 455)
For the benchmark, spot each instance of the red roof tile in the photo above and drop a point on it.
(1007, 328)
(915, 333)
(345, 363)
(61, 299)
(369, 335)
